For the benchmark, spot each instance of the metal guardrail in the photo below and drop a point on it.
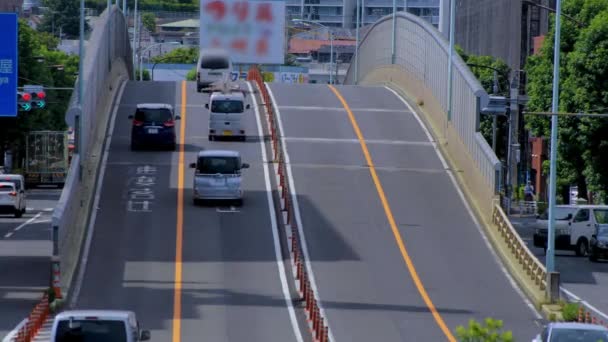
(423, 53)
(107, 43)
(533, 268)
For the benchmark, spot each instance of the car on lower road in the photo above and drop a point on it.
(572, 332)
(97, 325)
(153, 124)
(599, 243)
(217, 176)
(12, 201)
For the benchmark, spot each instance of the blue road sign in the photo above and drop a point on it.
(8, 64)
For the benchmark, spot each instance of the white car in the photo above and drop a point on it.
(572, 332)
(12, 200)
(97, 325)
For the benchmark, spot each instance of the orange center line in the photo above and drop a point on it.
(179, 227)
(391, 220)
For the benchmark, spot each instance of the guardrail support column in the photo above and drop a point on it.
(552, 289)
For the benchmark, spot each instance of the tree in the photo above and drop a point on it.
(485, 76)
(179, 56)
(582, 149)
(149, 21)
(39, 63)
(488, 332)
(64, 14)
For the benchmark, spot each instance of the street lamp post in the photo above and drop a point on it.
(78, 117)
(357, 29)
(394, 36)
(450, 56)
(135, 41)
(553, 159)
(141, 57)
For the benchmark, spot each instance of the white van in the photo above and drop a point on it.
(574, 227)
(214, 65)
(226, 112)
(19, 182)
(97, 325)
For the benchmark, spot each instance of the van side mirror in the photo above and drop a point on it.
(177, 117)
(245, 166)
(145, 335)
(594, 236)
(192, 165)
(569, 217)
(248, 106)
(207, 105)
(130, 116)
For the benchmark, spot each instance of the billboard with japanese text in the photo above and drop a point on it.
(253, 32)
(8, 64)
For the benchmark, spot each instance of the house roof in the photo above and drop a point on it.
(297, 45)
(188, 23)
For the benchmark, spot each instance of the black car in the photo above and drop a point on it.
(599, 243)
(153, 125)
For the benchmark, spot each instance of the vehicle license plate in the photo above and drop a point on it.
(152, 130)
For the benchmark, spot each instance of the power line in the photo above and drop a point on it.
(598, 115)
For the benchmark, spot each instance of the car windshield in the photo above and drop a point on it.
(226, 106)
(153, 115)
(578, 335)
(601, 216)
(91, 331)
(14, 181)
(214, 63)
(215, 165)
(560, 213)
(6, 188)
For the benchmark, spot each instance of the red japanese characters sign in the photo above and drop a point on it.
(252, 31)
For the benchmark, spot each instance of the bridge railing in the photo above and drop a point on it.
(107, 61)
(420, 69)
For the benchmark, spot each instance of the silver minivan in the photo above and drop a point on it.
(214, 65)
(217, 176)
(226, 110)
(97, 325)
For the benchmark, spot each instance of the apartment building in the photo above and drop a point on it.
(342, 13)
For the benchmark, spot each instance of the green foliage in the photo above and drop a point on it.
(290, 59)
(64, 14)
(191, 75)
(486, 78)
(570, 312)
(490, 331)
(145, 74)
(152, 5)
(32, 46)
(583, 149)
(149, 21)
(179, 56)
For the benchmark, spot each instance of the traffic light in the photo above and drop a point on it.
(29, 100)
(24, 101)
(38, 99)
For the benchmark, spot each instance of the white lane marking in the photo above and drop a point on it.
(355, 141)
(9, 234)
(341, 109)
(296, 207)
(231, 210)
(497, 259)
(11, 335)
(274, 227)
(102, 172)
(45, 209)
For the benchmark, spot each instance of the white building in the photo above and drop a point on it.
(342, 13)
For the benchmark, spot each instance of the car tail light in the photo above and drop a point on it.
(137, 123)
(169, 123)
(12, 193)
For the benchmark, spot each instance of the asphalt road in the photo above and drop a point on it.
(230, 287)
(25, 249)
(588, 280)
(364, 283)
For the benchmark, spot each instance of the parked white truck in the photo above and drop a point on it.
(574, 227)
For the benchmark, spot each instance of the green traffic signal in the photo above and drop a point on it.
(40, 104)
(26, 106)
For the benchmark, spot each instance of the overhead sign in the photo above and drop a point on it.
(8, 64)
(253, 32)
